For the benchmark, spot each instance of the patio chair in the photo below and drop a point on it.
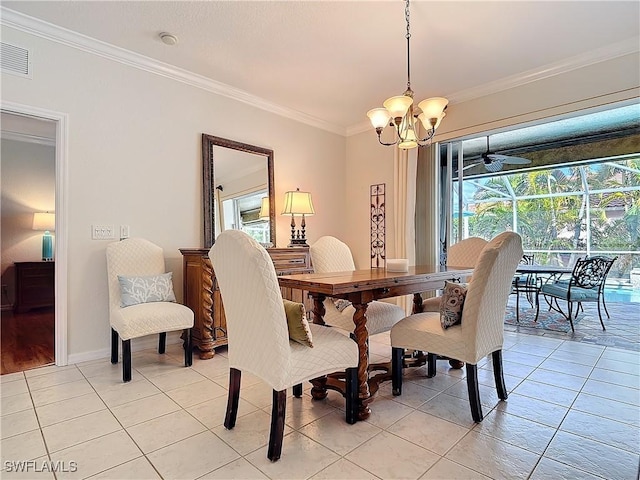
(529, 284)
(586, 284)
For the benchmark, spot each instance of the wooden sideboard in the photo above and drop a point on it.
(202, 295)
(35, 285)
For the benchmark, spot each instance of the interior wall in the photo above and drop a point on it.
(27, 186)
(596, 85)
(134, 159)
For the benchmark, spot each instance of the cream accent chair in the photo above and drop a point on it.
(140, 257)
(259, 338)
(482, 328)
(465, 253)
(328, 254)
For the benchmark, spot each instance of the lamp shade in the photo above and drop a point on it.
(44, 221)
(298, 203)
(433, 107)
(379, 117)
(398, 106)
(264, 209)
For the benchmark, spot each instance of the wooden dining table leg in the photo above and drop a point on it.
(361, 334)
(319, 389)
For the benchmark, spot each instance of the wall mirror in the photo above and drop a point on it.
(238, 191)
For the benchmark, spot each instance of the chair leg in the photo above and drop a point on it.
(114, 346)
(162, 342)
(604, 304)
(396, 370)
(498, 374)
(517, 307)
(233, 399)
(126, 360)
(600, 315)
(297, 390)
(188, 349)
(276, 435)
(474, 393)
(431, 365)
(570, 316)
(352, 403)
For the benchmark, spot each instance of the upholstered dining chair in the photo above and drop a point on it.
(480, 321)
(260, 339)
(465, 253)
(586, 284)
(141, 300)
(328, 254)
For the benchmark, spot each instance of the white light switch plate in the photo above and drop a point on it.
(102, 232)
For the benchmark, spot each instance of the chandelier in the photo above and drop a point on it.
(401, 113)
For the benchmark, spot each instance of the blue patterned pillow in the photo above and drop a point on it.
(451, 304)
(152, 288)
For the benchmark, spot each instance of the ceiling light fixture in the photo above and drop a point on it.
(399, 112)
(168, 39)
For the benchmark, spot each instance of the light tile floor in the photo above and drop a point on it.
(573, 412)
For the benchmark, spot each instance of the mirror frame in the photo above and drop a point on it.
(208, 183)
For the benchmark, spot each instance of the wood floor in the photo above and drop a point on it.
(27, 339)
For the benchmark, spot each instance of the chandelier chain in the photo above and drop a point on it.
(408, 36)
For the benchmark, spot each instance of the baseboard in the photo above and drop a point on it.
(137, 345)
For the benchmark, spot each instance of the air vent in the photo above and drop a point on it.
(16, 60)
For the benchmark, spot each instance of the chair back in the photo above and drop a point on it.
(328, 254)
(591, 272)
(256, 323)
(131, 257)
(466, 252)
(486, 300)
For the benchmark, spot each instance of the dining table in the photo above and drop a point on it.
(361, 287)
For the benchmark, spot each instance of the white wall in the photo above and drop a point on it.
(28, 186)
(135, 159)
(588, 87)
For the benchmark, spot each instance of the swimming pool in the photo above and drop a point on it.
(622, 294)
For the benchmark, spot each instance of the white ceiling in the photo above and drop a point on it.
(334, 60)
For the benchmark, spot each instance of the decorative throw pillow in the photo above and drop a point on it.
(341, 303)
(152, 288)
(299, 330)
(451, 304)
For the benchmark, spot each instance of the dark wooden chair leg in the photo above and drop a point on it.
(276, 435)
(233, 399)
(396, 370)
(126, 360)
(297, 390)
(188, 349)
(162, 342)
(474, 393)
(517, 305)
(498, 374)
(114, 346)
(431, 365)
(351, 393)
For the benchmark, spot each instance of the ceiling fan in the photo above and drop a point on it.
(493, 162)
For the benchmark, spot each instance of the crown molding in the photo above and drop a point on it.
(49, 31)
(55, 33)
(602, 54)
(28, 138)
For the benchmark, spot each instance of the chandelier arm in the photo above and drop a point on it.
(385, 144)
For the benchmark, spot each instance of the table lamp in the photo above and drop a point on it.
(45, 221)
(264, 209)
(298, 204)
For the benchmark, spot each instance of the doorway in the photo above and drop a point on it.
(33, 280)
